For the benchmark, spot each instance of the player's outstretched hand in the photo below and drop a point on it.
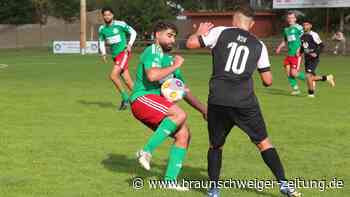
(205, 113)
(104, 59)
(178, 61)
(204, 28)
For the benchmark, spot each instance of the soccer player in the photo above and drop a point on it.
(167, 119)
(114, 33)
(292, 61)
(341, 42)
(311, 47)
(232, 102)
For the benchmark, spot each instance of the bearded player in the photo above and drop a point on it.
(165, 118)
(114, 33)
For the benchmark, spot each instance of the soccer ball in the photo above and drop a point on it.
(173, 89)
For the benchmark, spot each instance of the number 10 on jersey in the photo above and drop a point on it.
(235, 62)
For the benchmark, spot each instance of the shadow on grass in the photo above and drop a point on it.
(97, 103)
(259, 193)
(125, 164)
(281, 92)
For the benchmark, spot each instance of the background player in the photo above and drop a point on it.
(155, 111)
(114, 33)
(232, 101)
(292, 61)
(311, 47)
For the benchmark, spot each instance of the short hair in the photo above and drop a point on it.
(244, 9)
(105, 9)
(291, 12)
(307, 21)
(162, 25)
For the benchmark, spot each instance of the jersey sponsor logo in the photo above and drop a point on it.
(242, 39)
(114, 39)
(291, 38)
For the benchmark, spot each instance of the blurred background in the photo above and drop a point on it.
(37, 23)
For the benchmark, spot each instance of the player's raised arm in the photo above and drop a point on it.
(264, 67)
(280, 46)
(196, 40)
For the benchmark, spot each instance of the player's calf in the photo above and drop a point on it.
(115, 78)
(177, 153)
(183, 137)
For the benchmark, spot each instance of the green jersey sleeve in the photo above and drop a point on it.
(300, 30)
(101, 36)
(127, 28)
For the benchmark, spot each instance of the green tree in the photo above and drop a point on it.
(16, 12)
(41, 10)
(139, 13)
(68, 10)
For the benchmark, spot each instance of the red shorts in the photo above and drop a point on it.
(293, 61)
(150, 109)
(122, 60)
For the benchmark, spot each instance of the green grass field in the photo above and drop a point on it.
(61, 136)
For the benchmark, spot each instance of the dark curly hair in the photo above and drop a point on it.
(162, 25)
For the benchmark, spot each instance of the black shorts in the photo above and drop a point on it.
(311, 65)
(221, 119)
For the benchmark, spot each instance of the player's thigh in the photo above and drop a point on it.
(287, 69)
(116, 71)
(150, 109)
(292, 65)
(121, 61)
(220, 124)
(311, 66)
(251, 121)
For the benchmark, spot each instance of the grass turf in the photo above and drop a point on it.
(61, 136)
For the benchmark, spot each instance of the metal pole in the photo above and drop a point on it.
(83, 27)
(327, 20)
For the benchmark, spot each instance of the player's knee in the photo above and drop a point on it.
(264, 145)
(217, 145)
(182, 116)
(293, 74)
(114, 77)
(177, 115)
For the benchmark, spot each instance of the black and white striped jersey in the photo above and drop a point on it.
(236, 54)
